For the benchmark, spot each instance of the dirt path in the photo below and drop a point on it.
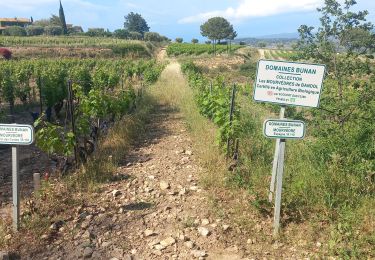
(261, 53)
(157, 211)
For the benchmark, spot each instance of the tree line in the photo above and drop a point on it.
(135, 28)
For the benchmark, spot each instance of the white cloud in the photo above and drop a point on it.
(256, 8)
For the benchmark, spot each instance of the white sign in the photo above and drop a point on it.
(16, 134)
(289, 83)
(284, 129)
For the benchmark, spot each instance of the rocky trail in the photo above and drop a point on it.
(156, 210)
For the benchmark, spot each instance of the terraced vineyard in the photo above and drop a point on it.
(280, 54)
(177, 49)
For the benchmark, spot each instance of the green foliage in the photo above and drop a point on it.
(52, 138)
(64, 41)
(135, 35)
(176, 49)
(54, 21)
(213, 100)
(34, 30)
(217, 28)
(194, 40)
(52, 83)
(53, 30)
(126, 49)
(152, 72)
(98, 32)
(179, 40)
(7, 84)
(342, 126)
(153, 37)
(14, 31)
(329, 176)
(95, 85)
(134, 22)
(121, 34)
(262, 45)
(248, 69)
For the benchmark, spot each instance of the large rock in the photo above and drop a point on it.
(164, 185)
(168, 241)
(87, 253)
(203, 231)
(198, 253)
(189, 244)
(149, 232)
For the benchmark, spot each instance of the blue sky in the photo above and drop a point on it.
(175, 18)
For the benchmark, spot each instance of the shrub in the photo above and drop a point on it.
(262, 44)
(98, 32)
(34, 30)
(53, 30)
(194, 40)
(75, 30)
(121, 34)
(14, 31)
(152, 37)
(135, 36)
(179, 40)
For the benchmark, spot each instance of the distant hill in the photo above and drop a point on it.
(271, 41)
(293, 35)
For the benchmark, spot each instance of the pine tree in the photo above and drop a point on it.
(62, 19)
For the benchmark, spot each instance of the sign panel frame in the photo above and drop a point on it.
(286, 103)
(29, 127)
(284, 121)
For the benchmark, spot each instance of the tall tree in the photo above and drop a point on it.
(217, 29)
(134, 22)
(62, 19)
(231, 37)
(54, 20)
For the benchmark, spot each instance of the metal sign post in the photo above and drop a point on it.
(279, 186)
(275, 160)
(16, 135)
(15, 188)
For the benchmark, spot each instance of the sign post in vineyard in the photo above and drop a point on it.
(287, 84)
(15, 135)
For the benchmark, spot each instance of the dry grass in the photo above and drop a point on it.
(172, 89)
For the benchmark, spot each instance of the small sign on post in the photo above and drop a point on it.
(284, 129)
(15, 135)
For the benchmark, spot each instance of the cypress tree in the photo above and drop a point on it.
(62, 19)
